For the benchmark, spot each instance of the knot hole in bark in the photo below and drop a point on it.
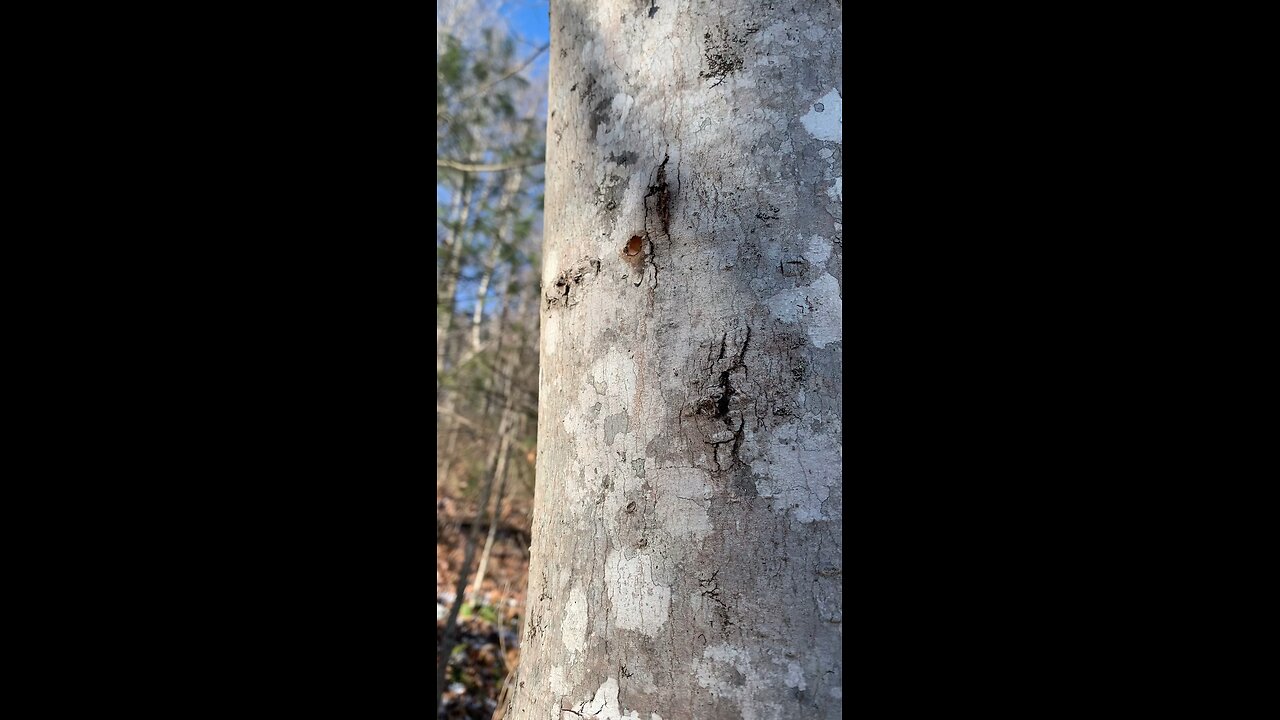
(635, 253)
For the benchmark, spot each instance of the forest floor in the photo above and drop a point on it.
(484, 656)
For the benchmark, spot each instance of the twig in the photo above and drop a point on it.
(455, 416)
(485, 88)
(501, 709)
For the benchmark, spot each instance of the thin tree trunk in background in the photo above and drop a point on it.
(496, 464)
(505, 453)
(450, 235)
(495, 517)
(451, 623)
(482, 292)
(509, 189)
(504, 315)
(686, 553)
(447, 288)
(446, 282)
(459, 212)
(506, 432)
(446, 466)
(452, 426)
(444, 338)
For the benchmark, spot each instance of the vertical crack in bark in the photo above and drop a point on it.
(711, 590)
(718, 402)
(657, 216)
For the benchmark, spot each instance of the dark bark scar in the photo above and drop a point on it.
(719, 418)
(657, 223)
(661, 212)
(561, 291)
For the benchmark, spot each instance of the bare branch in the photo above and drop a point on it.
(455, 415)
(467, 167)
(485, 88)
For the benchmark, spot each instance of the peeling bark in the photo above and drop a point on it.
(686, 553)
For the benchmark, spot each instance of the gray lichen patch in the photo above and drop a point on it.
(615, 425)
(609, 193)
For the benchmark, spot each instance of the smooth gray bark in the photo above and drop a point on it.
(686, 553)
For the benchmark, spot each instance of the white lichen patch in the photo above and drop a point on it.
(605, 705)
(608, 391)
(639, 602)
(824, 121)
(559, 686)
(728, 673)
(818, 251)
(709, 678)
(573, 630)
(836, 191)
(550, 333)
(815, 32)
(795, 676)
(621, 107)
(550, 267)
(590, 51)
(801, 467)
(816, 307)
(616, 374)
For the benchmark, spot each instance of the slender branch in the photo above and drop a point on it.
(485, 88)
(455, 415)
(467, 167)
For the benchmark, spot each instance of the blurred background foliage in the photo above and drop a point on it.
(490, 133)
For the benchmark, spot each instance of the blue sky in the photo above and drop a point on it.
(528, 19)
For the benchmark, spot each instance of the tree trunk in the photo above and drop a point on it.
(477, 587)
(686, 554)
(447, 285)
(510, 187)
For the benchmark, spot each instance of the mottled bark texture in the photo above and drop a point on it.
(686, 558)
